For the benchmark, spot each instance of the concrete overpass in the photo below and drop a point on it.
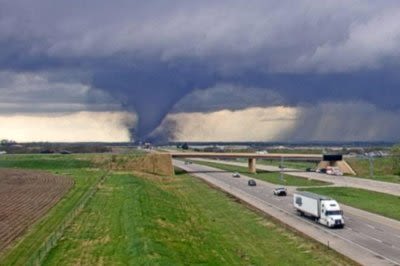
(323, 159)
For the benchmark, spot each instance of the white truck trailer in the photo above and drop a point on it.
(322, 209)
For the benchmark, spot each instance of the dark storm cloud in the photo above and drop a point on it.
(150, 54)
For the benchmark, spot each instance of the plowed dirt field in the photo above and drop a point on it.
(25, 196)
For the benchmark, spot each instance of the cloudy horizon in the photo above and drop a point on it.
(210, 70)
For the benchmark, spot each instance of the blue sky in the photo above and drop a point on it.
(204, 70)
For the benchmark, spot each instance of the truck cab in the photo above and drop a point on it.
(331, 214)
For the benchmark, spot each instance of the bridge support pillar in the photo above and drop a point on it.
(252, 165)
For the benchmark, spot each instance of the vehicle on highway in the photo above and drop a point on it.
(280, 191)
(322, 209)
(333, 171)
(235, 174)
(252, 182)
(188, 162)
(309, 169)
(321, 170)
(330, 170)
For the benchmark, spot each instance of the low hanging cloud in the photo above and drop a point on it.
(228, 120)
(44, 92)
(325, 122)
(227, 96)
(145, 57)
(40, 107)
(68, 127)
(347, 121)
(252, 124)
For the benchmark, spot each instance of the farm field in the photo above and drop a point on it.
(84, 176)
(272, 177)
(24, 197)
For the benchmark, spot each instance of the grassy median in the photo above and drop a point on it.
(375, 202)
(271, 177)
(150, 220)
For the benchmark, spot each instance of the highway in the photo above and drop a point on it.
(368, 239)
(344, 181)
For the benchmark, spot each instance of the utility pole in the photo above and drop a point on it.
(371, 165)
(281, 169)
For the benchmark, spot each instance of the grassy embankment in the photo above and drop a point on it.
(375, 202)
(383, 169)
(272, 177)
(84, 176)
(150, 220)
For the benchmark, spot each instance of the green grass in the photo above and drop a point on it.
(147, 220)
(83, 177)
(379, 203)
(272, 177)
(44, 162)
(383, 169)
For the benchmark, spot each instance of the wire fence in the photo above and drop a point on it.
(51, 241)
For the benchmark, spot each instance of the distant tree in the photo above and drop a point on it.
(185, 146)
(395, 153)
(7, 142)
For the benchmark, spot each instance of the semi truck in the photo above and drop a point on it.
(322, 209)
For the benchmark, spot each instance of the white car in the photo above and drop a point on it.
(236, 174)
(333, 171)
(280, 191)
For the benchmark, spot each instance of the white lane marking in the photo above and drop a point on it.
(376, 239)
(370, 226)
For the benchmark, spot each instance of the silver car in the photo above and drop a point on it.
(236, 174)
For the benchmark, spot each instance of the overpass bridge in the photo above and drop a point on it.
(323, 160)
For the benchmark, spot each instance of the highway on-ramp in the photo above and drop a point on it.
(365, 238)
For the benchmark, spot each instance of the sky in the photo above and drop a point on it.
(200, 70)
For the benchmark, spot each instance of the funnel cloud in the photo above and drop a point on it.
(181, 68)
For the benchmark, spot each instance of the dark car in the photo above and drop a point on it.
(280, 191)
(309, 169)
(252, 183)
(322, 170)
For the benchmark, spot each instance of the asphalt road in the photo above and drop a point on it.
(345, 181)
(366, 238)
